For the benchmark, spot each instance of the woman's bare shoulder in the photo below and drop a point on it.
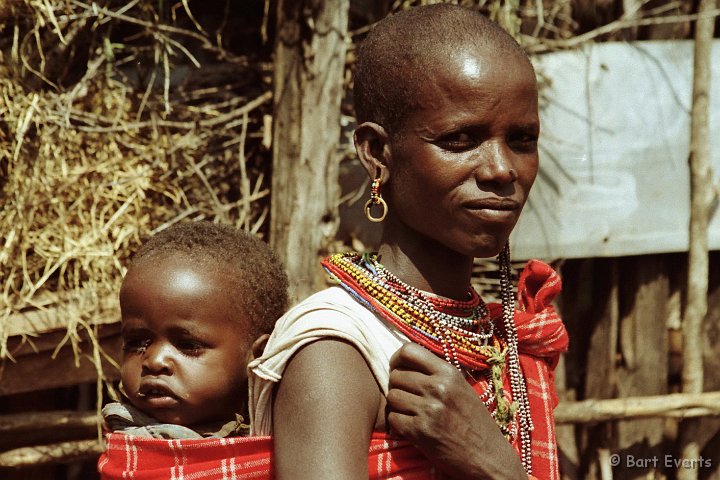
(324, 411)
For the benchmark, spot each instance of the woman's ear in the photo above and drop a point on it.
(371, 144)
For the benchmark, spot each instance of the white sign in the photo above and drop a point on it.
(614, 175)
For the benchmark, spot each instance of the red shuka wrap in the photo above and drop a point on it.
(541, 339)
(140, 458)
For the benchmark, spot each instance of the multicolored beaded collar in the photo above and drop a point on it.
(460, 331)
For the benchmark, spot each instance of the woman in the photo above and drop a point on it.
(447, 109)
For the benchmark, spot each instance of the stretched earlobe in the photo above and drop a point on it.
(376, 199)
(371, 145)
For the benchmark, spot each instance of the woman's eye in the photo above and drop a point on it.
(523, 142)
(456, 142)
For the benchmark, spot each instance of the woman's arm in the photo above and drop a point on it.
(432, 405)
(324, 411)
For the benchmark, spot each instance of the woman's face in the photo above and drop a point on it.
(185, 357)
(463, 164)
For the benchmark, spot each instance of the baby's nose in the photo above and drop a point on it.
(157, 359)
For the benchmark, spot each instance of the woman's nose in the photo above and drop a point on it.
(157, 359)
(495, 165)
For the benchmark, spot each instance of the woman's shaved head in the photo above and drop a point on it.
(403, 50)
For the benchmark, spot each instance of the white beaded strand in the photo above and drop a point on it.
(517, 381)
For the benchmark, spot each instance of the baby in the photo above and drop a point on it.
(198, 303)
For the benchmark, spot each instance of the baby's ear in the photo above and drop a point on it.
(371, 144)
(258, 346)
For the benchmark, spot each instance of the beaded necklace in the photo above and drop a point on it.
(460, 331)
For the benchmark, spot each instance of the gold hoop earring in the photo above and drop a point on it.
(375, 199)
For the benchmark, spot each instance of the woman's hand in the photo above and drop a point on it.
(430, 403)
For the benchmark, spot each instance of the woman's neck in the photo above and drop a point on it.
(427, 265)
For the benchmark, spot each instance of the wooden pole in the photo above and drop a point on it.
(632, 9)
(701, 195)
(308, 86)
(54, 453)
(54, 420)
(676, 405)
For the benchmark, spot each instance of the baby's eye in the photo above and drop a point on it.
(456, 142)
(135, 345)
(190, 347)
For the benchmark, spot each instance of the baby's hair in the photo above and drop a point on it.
(401, 50)
(257, 278)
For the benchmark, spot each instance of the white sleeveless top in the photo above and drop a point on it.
(330, 313)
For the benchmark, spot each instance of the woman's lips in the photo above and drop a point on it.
(492, 209)
(492, 203)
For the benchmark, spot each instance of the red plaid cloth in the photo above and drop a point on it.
(140, 458)
(541, 339)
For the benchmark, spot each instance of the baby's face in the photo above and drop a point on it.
(467, 156)
(184, 358)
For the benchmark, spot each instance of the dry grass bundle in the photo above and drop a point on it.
(117, 120)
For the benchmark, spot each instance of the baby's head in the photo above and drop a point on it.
(198, 302)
